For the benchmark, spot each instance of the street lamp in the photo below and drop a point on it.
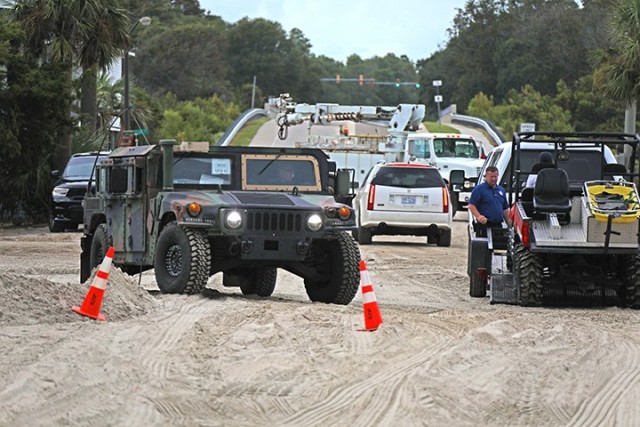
(126, 119)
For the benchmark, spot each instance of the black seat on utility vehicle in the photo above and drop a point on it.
(537, 167)
(551, 193)
(611, 169)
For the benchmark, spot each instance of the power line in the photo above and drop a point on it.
(369, 81)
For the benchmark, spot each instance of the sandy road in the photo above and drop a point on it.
(440, 358)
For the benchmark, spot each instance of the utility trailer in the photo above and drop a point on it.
(566, 234)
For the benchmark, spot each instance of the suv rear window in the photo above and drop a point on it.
(410, 177)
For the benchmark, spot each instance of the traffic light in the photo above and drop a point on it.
(417, 85)
(397, 82)
(337, 78)
(361, 79)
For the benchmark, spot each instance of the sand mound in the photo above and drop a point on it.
(28, 300)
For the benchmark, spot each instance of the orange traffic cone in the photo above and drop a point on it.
(93, 300)
(372, 316)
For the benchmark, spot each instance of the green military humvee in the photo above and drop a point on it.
(241, 211)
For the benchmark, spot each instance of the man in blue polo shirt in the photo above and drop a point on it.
(488, 202)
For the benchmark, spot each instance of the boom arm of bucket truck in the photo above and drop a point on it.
(403, 118)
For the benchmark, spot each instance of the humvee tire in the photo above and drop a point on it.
(99, 246)
(340, 260)
(183, 259)
(260, 281)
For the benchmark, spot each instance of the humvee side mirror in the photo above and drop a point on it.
(456, 177)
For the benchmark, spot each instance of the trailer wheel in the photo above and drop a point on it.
(528, 272)
(339, 261)
(182, 261)
(630, 291)
(260, 281)
(477, 286)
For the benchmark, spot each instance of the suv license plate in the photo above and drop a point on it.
(408, 200)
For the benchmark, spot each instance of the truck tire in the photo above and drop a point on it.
(182, 261)
(99, 246)
(630, 292)
(339, 261)
(364, 236)
(260, 281)
(528, 271)
(55, 227)
(444, 238)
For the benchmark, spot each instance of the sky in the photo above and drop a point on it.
(339, 28)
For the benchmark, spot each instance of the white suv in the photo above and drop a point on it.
(403, 199)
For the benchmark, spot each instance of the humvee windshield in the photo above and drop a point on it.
(202, 171)
(259, 171)
(273, 172)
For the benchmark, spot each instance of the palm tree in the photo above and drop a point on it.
(84, 33)
(620, 65)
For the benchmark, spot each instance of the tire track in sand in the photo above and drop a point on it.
(601, 408)
(384, 398)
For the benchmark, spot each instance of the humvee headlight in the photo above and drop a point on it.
(233, 220)
(314, 222)
(344, 213)
(194, 209)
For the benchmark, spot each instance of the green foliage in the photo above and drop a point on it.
(188, 60)
(197, 120)
(30, 140)
(435, 127)
(526, 105)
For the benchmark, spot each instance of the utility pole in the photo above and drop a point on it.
(253, 93)
(126, 119)
(438, 97)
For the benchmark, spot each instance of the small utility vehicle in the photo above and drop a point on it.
(577, 229)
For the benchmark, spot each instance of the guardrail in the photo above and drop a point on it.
(449, 114)
(495, 134)
(238, 123)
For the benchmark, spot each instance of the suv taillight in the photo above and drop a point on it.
(445, 200)
(372, 197)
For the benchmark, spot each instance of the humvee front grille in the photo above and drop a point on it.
(257, 198)
(274, 221)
